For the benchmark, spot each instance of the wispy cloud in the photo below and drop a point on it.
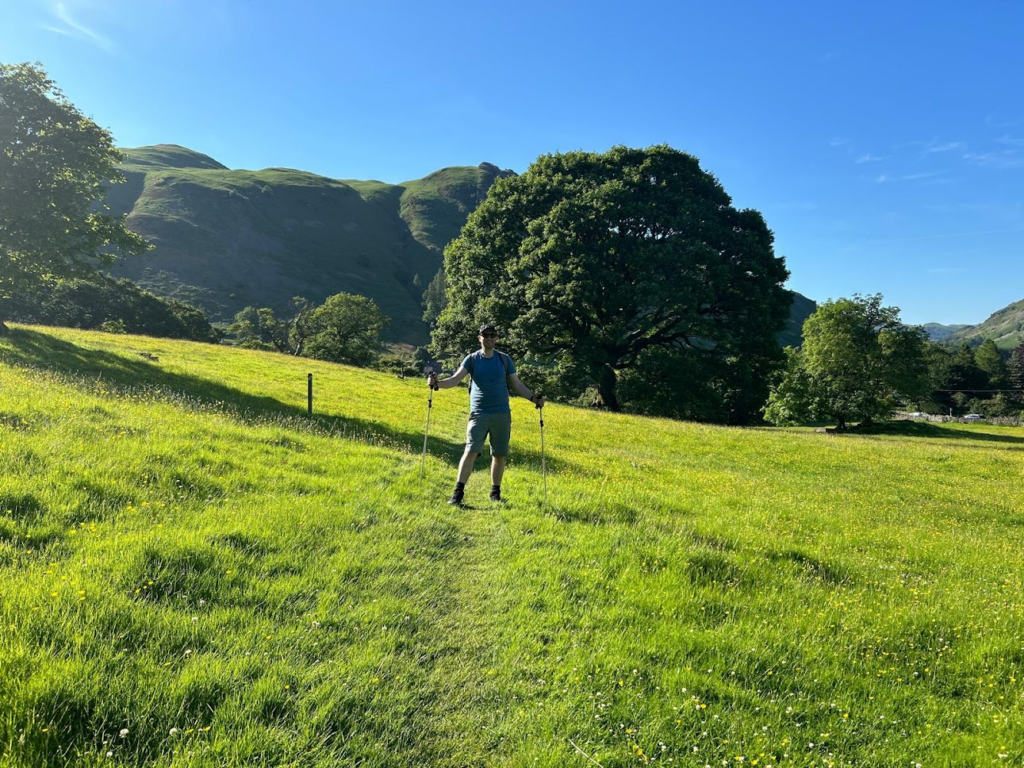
(71, 27)
(885, 177)
(933, 147)
(1007, 158)
(868, 158)
(838, 142)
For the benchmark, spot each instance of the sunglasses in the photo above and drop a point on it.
(489, 335)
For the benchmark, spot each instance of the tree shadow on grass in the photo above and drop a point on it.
(33, 349)
(929, 430)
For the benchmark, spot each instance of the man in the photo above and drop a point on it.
(490, 372)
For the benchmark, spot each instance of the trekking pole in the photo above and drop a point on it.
(426, 432)
(543, 463)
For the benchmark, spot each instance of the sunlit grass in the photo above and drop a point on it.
(193, 572)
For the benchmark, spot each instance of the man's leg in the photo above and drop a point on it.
(501, 430)
(466, 466)
(497, 470)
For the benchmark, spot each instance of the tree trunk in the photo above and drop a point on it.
(606, 388)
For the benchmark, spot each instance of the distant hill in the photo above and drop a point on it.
(226, 239)
(1005, 327)
(938, 332)
(793, 334)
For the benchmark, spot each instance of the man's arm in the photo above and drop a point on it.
(519, 387)
(451, 381)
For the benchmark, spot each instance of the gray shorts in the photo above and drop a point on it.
(497, 425)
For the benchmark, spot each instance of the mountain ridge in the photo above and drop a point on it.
(225, 239)
(228, 238)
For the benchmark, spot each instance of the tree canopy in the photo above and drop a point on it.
(55, 164)
(628, 266)
(344, 329)
(857, 361)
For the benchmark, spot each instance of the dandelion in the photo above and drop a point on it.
(123, 732)
(174, 731)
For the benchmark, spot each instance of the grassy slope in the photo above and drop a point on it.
(283, 591)
(1005, 327)
(225, 239)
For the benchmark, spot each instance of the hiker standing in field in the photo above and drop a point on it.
(490, 373)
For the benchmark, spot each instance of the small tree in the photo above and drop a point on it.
(262, 329)
(55, 165)
(434, 299)
(254, 328)
(856, 363)
(345, 329)
(989, 359)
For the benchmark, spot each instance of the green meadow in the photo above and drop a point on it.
(193, 572)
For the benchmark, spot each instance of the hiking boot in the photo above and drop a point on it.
(495, 494)
(457, 497)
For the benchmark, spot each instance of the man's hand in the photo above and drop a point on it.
(432, 381)
(538, 401)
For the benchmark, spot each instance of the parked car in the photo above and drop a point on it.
(973, 416)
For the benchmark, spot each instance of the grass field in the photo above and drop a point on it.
(193, 572)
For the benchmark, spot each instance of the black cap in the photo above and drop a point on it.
(487, 327)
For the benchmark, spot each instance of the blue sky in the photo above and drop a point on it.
(883, 142)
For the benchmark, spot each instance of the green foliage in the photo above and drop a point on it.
(594, 264)
(989, 359)
(857, 362)
(55, 164)
(434, 298)
(254, 328)
(344, 329)
(186, 557)
(1015, 368)
(792, 400)
(114, 305)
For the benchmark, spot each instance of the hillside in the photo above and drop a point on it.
(792, 335)
(226, 239)
(938, 332)
(1005, 327)
(195, 573)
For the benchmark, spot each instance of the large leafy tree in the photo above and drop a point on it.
(55, 165)
(599, 266)
(856, 363)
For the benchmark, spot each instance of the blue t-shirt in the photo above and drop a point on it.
(488, 390)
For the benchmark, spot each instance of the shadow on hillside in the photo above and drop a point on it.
(927, 429)
(27, 348)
